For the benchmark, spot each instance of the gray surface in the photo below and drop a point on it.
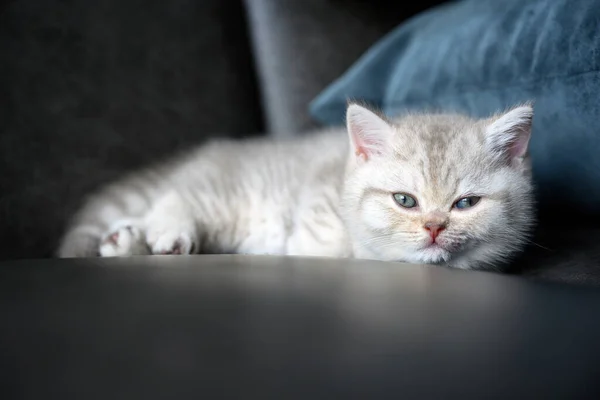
(208, 327)
(301, 46)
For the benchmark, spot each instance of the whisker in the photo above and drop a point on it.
(538, 245)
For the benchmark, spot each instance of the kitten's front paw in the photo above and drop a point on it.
(123, 239)
(171, 242)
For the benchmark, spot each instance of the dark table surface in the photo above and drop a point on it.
(266, 327)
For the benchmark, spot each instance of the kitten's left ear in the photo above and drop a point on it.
(369, 134)
(508, 136)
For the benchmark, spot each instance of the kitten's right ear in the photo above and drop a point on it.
(369, 134)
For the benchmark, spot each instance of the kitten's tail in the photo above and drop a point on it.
(128, 199)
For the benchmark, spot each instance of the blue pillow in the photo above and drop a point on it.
(481, 56)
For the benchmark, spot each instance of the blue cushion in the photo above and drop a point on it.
(481, 56)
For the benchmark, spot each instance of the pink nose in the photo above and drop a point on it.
(434, 229)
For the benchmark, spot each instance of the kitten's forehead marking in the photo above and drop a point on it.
(443, 151)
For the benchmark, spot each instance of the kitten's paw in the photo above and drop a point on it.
(172, 242)
(123, 239)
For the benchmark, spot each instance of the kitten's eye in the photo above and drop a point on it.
(405, 200)
(467, 202)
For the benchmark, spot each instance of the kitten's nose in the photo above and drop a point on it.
(434, 229)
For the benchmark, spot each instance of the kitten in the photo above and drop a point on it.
(423, 188)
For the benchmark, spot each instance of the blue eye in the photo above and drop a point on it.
(405, 200)
(467, 202)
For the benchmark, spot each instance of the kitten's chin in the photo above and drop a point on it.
(434, 254)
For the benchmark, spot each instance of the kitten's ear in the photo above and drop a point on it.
(508, 136)
(369, 134)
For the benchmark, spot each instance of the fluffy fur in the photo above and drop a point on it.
(331, 194)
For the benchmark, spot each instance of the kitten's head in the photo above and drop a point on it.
(439, 189)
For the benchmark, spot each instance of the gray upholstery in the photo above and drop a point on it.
(300, 46)
(251, 327)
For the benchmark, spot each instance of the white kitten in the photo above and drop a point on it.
(431, 188)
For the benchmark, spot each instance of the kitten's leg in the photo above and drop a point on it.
(171, 227)
(318, 229)
(125, 238)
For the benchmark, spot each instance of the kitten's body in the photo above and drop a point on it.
(325, 195)
(255, 197)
